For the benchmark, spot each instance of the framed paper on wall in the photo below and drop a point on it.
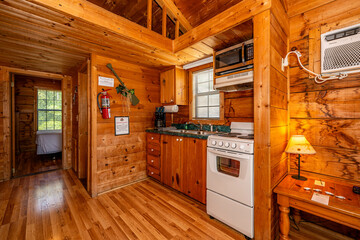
(122, 126)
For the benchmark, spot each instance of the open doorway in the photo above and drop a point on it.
(37, 124)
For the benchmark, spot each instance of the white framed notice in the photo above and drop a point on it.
(122, 126)
(105, 81)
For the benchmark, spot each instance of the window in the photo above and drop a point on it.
(49, 110)
(206, 99)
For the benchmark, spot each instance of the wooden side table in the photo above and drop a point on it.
(291, 193)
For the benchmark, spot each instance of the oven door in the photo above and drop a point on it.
(231, 175)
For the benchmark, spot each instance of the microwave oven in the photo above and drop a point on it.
(233, 59)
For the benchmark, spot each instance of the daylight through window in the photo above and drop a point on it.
(49, 110)
(206, 99)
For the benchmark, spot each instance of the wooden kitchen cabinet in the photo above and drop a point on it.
(171, 161)
(153, 152)
(194, 168)
(174, 86)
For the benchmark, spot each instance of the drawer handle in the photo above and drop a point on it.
(177, 139)
(152, 150)
(152, 160)
(180, 139)
(152, 138)
(152, 173)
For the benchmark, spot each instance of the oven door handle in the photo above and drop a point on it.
(237, 156)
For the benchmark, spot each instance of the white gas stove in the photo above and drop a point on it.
(230, 177)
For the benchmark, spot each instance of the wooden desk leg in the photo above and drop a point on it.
(284, 223)
(297, 216)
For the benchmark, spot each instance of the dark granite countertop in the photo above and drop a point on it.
(177, 134)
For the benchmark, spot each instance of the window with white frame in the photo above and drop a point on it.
(206, 100)
(49, 110)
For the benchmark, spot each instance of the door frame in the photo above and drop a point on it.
(51, 76)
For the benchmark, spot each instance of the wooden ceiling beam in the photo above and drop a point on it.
(175, 14)
(98, 16)
(229, 18)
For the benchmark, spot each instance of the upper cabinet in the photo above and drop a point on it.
(174, 86)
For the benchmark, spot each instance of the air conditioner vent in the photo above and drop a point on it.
(342, 56)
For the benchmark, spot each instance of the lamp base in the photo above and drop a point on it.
(297, 177)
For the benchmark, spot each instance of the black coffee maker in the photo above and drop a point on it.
(160, 119)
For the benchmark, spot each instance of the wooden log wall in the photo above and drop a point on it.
(5, 134)
(25, 109)
(327, 114)
(120, 160)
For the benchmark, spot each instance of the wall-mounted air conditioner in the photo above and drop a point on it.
(340, 50)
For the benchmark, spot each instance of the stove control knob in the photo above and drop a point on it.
(221, 143)
(242, 147)
(227, 145)
(233, 145)
(213, 143)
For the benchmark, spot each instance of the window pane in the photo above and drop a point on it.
(203, 77)
(50, 125)
(214, 100)
(41, 94)
(214, 112)
(57, 125)
(50, 104)
(50, 116)
(42, 115)
(203, 87)
(57, 116)
(202, 112)
(58, 96)
(42, 125)
(202, 101)
(58, 105)
(50, 95)
(42, 104)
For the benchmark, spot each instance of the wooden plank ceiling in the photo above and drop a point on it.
(38, 38)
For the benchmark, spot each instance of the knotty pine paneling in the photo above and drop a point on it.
(327, 114)
(122, 159)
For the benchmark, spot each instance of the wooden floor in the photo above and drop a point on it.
(55, 205)
(31, 163)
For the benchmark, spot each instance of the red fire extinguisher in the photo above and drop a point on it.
(105, 103)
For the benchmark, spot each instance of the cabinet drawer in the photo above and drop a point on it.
(153, 138)
(153, 161)
(153, 149)
(153, 172)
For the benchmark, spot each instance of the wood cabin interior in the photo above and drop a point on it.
(122, 177)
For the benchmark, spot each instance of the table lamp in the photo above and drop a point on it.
(299, 145)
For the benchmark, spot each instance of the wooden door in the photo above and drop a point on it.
(167, 83)
(83, 144)
(194, 168)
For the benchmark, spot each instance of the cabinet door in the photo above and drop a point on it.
(167, 85)
(194, 168)
(176, 160)
(166, 154)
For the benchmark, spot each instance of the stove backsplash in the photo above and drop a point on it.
(219, 128)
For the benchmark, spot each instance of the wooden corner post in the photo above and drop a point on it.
(262, 183)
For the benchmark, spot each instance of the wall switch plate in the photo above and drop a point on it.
(356, 189)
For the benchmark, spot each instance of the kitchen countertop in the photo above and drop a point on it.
(177, 134)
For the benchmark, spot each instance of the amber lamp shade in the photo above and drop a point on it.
(299, 145)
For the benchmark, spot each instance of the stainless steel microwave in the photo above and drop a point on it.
(236, 58)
